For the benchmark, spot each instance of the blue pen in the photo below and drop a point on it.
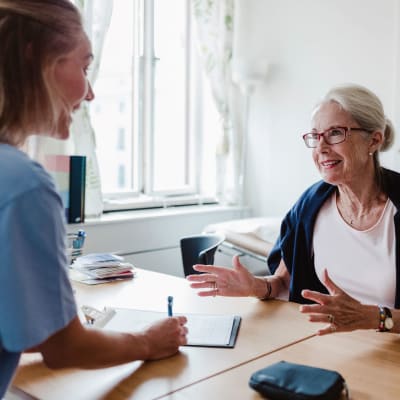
(170, 301)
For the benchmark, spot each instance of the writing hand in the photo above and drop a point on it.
(164, 337)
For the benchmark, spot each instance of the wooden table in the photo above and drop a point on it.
(265, 328)
(368, 361)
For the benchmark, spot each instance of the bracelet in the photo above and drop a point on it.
(268, 291)
(382, 317)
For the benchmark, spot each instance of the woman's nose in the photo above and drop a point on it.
(90, 94)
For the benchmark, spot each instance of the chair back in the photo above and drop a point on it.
(199, 249)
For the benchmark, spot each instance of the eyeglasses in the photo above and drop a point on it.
(331, 136)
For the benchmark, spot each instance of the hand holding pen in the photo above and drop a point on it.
(164, 337)
(167, 335)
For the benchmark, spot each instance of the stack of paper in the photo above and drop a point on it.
(102, 267)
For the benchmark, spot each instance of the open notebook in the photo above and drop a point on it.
(206, 330)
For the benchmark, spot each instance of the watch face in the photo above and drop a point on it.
(389, 323)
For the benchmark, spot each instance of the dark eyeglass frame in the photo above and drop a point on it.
(320, 135)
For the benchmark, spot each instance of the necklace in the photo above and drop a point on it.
(350, 220)
(374, 213)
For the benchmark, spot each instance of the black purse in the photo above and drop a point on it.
(289, 381)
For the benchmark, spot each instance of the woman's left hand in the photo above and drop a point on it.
(340, 311)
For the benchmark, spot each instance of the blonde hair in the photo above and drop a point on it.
(34, 34)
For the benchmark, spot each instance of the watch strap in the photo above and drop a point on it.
(384, 315)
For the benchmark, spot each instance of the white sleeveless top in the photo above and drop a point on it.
(362, 263)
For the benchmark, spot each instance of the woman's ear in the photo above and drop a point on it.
(376, 140)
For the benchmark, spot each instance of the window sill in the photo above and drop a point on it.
(146, 202)
(164, 212)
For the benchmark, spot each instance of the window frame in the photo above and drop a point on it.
(143, 194)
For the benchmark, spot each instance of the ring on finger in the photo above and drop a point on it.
(333, 327)
(215, 289)
(331, 318)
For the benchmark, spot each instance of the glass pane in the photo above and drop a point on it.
(113, 105)
(170, 171)
(212, 127)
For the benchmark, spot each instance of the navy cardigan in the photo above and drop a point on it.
(294, 244)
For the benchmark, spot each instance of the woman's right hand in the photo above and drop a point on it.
(164, 337)
(222, 281)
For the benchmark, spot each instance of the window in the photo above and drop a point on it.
(149, 106)
(121, 139)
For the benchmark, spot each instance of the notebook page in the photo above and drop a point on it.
(204, 329)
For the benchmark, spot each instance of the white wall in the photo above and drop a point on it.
(310, 45)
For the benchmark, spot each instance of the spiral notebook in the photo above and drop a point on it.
(205, 330)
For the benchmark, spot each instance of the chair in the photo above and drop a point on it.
(199, 249)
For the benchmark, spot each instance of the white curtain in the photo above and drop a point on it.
(97, 16)
(214, 20)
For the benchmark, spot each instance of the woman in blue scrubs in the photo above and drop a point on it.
(44, 57)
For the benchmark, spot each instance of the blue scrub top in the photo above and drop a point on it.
(36, 298)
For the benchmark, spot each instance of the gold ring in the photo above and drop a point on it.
(215, 286)
(331, 318)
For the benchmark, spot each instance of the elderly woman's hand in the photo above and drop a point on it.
(340, 311)
(236, 281)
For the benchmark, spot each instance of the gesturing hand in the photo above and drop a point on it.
(236, 281)
(340, 311)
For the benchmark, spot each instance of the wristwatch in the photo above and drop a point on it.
(385, 319)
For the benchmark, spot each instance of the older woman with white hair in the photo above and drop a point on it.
(338, 249)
